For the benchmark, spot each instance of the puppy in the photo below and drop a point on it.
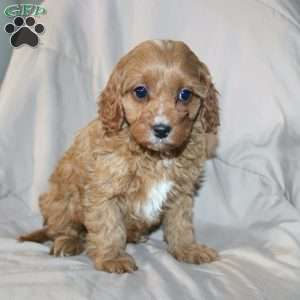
(138, 164)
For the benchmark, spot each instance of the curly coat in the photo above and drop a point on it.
(117, 182)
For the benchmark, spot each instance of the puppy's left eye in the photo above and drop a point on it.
(141, 92)
(184, 95)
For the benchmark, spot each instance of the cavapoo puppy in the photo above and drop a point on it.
(138, 164)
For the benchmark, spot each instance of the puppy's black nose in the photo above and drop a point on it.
(161, 130)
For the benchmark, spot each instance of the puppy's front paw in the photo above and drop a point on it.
(195, 254)
(119, 265)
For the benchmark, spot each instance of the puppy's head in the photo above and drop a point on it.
(159, 89)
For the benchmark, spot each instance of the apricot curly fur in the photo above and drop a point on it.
(98, 192)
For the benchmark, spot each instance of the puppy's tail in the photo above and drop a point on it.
(38, 236)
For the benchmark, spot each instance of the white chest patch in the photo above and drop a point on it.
(155, 200)
(151, 207)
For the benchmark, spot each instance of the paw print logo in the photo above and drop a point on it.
(24, 31)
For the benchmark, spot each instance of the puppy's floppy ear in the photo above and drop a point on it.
(209, 116)
(109, 105)
(209, 112)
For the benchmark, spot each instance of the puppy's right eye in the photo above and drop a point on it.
(140, 92)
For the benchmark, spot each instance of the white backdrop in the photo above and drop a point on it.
(249, 205)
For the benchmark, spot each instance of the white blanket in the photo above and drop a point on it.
(249, 205)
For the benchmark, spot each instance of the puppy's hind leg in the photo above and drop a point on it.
(69, 242)
(63, 227)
